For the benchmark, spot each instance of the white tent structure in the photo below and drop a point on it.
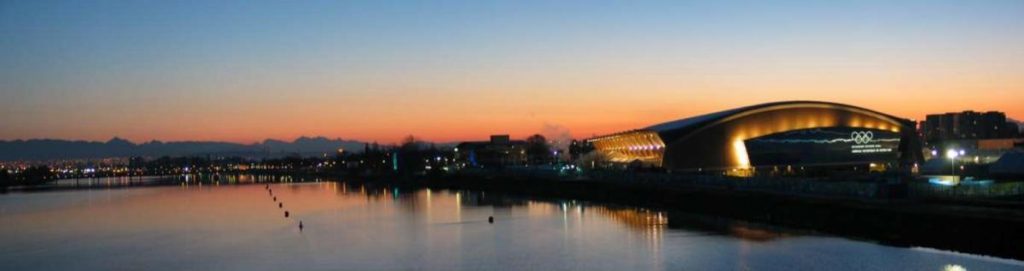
(1011, 163)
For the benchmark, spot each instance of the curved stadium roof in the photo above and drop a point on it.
(715, 140)
(720, 115)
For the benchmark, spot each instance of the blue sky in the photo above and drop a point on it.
(140, 69)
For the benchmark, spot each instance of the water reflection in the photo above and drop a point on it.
(203, 225)
(650, 223)
(141, 181)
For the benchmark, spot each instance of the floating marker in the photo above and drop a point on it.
(285, 213)
(300, 225)
(490, 219)
(280, 205)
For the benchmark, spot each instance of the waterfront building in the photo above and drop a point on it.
(578, 148)
(967, 125)
(501, 150)
(772, 135)
(976, 137)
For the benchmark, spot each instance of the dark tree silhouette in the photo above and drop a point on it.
(410, 156)
(36, 175)
(538, 151)
(5, 178)
(409, 144)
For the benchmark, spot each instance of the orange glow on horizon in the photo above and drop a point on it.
(397, 70)
(472, 116)
(452, 127)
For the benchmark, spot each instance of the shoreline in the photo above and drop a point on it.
(986, 229)
(905, 223)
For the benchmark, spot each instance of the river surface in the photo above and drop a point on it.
(238, 225)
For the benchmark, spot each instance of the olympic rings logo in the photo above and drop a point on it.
(862, 137)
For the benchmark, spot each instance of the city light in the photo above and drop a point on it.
(952, 154)
(550, 135)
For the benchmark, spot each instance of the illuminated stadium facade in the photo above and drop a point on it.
(794, 133)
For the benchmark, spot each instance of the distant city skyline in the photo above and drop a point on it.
(375, 71)
(558, 134)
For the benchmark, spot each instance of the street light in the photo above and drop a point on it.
(952, 154)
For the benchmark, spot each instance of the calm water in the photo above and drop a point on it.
(240, 227)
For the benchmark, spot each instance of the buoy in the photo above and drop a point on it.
(285, 213)
(275, 198)
(280, 205)
(490, 219)
(300, 225)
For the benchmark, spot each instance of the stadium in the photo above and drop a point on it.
(778, 134)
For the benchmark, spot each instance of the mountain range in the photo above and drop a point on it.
(50, 149)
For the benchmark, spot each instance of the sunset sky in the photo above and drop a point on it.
(462, 70)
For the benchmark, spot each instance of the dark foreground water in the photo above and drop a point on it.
(354, 227)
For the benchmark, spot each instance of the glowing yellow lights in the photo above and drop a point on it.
(645, 146)
(953, 267)
(855, 122)
(739, 152)
(720, 137)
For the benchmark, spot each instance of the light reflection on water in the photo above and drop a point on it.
(217, 226)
